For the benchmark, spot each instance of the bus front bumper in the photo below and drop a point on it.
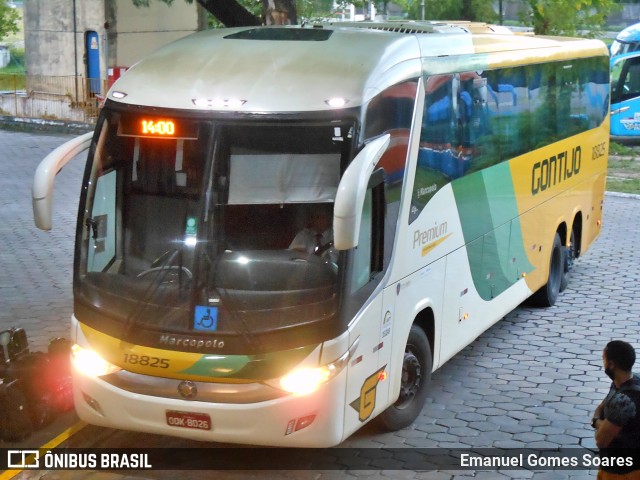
(314, 420)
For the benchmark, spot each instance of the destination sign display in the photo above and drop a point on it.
(157, 127)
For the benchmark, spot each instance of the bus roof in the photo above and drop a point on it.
(629, 34)
(296, 69)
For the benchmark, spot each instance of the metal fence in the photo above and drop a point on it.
(70, 98)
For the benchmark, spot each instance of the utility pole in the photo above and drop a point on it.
(422, 10)
(500, 8)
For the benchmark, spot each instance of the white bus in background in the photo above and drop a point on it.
(463, 170)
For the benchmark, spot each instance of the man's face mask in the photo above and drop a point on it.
(608, 370)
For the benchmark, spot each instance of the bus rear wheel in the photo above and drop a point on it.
(416, 374)
(548, 294)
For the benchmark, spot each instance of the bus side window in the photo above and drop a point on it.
(508, 101)
(594, 82)
(631, 87)
(616, 72)
(571, 115)
(101, 224)
(369, 254)
(625, 80)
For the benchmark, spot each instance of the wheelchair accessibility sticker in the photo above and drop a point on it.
(205, 318)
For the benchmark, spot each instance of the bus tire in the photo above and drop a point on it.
(548, 294)
(416, 374)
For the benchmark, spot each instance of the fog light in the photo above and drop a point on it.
(299, 423)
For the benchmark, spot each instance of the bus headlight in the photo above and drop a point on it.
(89, 363)
(306, 380)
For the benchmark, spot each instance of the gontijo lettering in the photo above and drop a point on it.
(555, 169)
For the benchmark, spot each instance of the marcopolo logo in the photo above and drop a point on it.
(23, 459)
(191, 342)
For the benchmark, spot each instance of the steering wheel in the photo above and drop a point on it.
(186, 271)
(319, 251)
(162, 265)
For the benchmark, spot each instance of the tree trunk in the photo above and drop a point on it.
(230, 13)
(280, 12)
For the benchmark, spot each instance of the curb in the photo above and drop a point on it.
(26, 124)
(622, 195)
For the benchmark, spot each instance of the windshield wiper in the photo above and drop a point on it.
(238, 321)
(161, 271)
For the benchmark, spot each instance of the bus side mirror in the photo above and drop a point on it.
(42, 191)
(347, 209)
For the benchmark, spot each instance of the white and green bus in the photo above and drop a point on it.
(463, 170)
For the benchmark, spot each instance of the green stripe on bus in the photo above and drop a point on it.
(253, 367)
(491, 227)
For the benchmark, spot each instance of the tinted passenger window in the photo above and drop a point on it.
(473, 120)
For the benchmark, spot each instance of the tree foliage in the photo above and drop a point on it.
(548, 17)
(235, 13)
(473, 10)
(231, 13)
(9, 18)
(312, 9)
(568, 17)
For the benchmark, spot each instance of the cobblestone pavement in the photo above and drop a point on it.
(36, 266)
(532, 380)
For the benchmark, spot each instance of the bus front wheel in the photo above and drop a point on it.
(548, 294)
(416, 374)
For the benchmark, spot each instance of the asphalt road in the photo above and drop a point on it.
(530, 381)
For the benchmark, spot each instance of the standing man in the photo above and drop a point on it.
(617, 419)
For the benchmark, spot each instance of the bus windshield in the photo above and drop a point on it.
(627, 41)
(202, 227)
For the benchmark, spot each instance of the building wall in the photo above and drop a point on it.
(49, 34)
(134, 32)
(126, 33)
(628, 14)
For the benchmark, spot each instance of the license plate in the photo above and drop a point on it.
(199, 421)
